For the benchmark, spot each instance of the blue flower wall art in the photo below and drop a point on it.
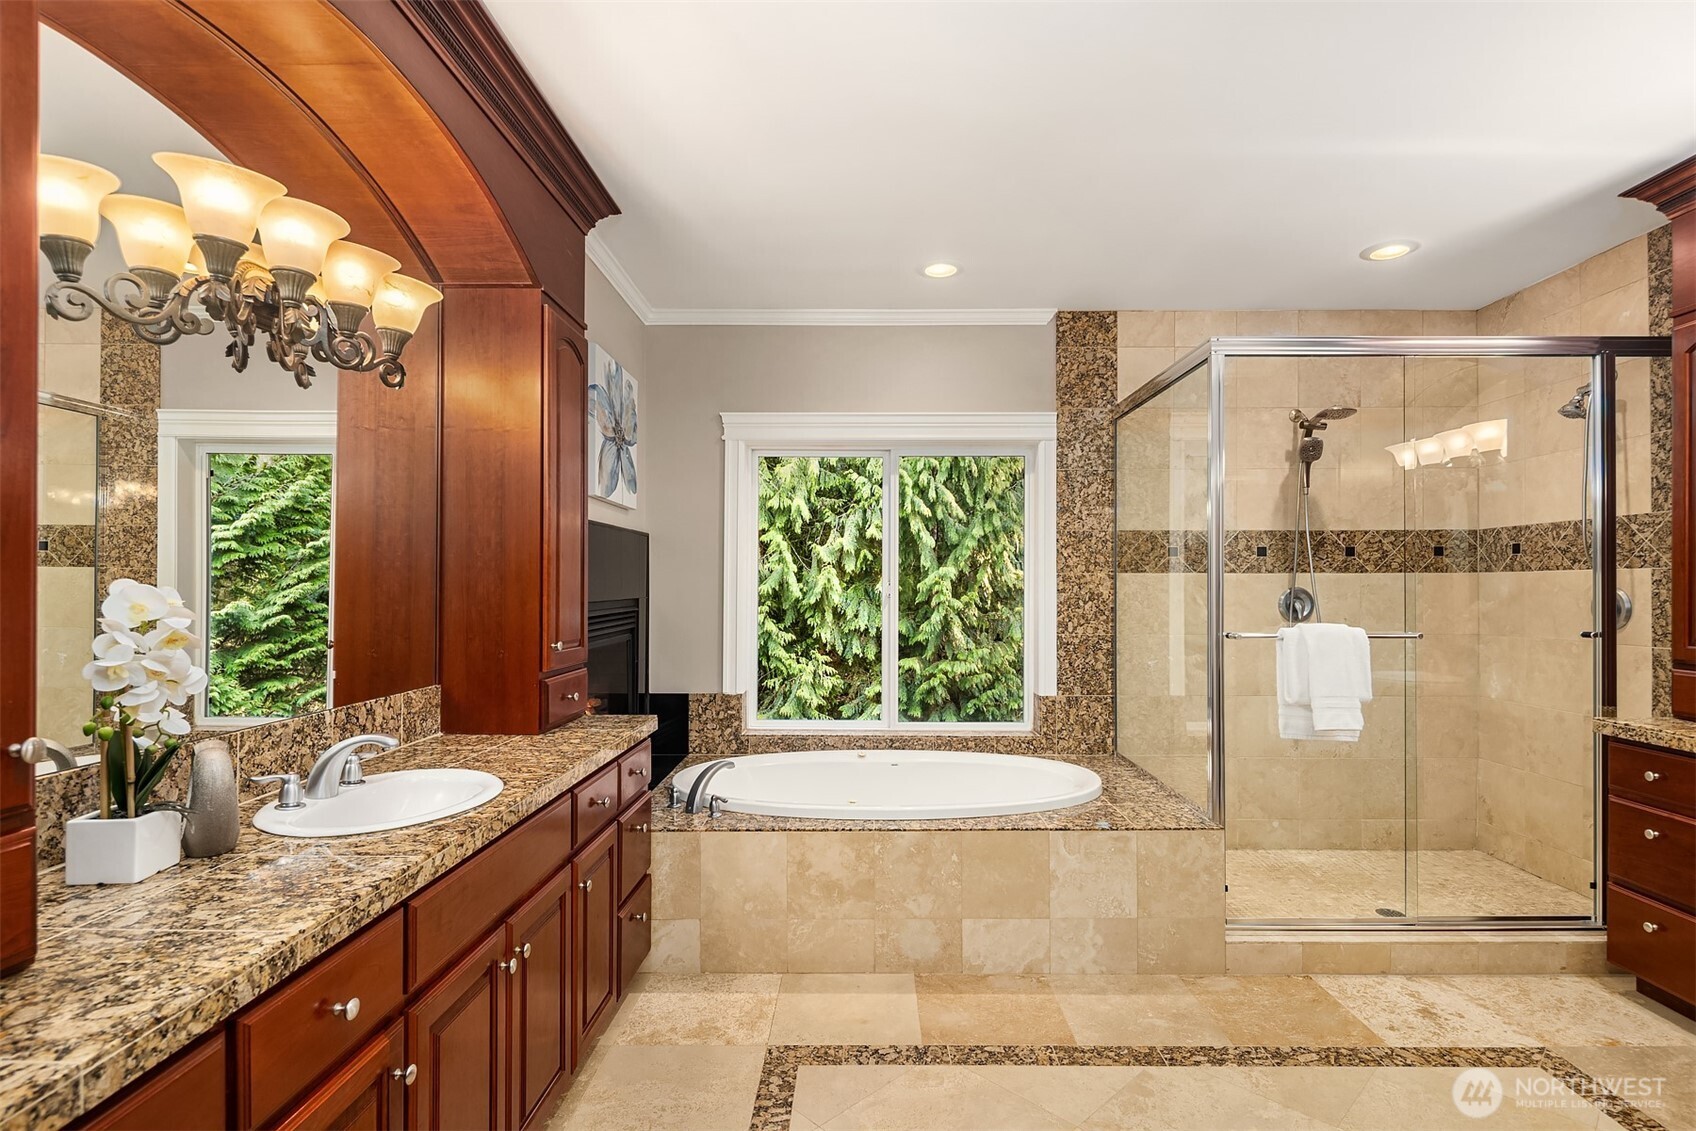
(612, 430)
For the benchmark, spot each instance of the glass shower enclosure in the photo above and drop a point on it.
(1485, 509)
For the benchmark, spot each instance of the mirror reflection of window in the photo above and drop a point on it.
(65, 578)
(268, 573)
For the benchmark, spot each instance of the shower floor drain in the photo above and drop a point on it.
(1391, 913)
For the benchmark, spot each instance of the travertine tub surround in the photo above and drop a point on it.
(181, 952)
(975, 901)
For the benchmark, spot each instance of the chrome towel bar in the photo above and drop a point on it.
(1370, 635)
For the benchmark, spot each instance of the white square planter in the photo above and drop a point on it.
(121, 851)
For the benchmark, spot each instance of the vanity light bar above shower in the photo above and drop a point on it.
(1369, 636)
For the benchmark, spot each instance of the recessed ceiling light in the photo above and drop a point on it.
(941, 270)
(1395, 249)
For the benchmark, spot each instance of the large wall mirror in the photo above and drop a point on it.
(167, 465)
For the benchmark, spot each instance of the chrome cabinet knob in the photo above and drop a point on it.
(558, 646)
(640, 917)
(1651, 775)
(522, 951)
(599, 802)
(638, 772)
(587, 885)
(643, 827)
(1651, 834)
(1651, 928)
(574, 696)
(406, 1075)
(347, 1010)
(510, 966)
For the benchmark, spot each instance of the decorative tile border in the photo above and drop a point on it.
(774, 1101)
(58, 544)
(1644, 542)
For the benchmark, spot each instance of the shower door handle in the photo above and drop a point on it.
(1591, 634)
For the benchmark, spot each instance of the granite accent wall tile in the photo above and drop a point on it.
(715, 726)
(1660, 280)
(127, 469)
(1643, 541)
(1084, 438)
(1076, 329)
(1085, 666)
(1085, 377)
(65, 545)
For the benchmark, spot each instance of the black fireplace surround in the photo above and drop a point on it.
(618, 641)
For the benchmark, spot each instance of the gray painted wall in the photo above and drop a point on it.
(615, 328)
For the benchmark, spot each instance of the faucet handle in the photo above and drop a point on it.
(290, 797)
(352, 772)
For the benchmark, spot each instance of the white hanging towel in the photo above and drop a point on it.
(1324, 675)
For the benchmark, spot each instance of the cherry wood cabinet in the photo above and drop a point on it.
(187, 1093)
(539, 938)
(635, 932)
(456, 1035)
(594, 876)
(367, 1092)
(1651, 869)
(565, 393)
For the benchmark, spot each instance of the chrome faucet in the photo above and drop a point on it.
(339, 765)
(698, 796)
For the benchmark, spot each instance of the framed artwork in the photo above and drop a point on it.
(612, 430)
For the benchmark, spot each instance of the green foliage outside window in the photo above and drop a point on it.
(960, 593)
(270, 580)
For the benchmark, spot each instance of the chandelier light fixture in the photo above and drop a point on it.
(300, 284)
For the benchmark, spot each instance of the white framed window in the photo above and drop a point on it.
(246, 518)
(889, 571)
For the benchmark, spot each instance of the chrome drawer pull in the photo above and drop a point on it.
(1651, 928)
(347, 1011)
(1651, 834)
(406, 1075)
(558, 645)
(574, 696)
(638, 772)
(599, 802)
(522, 951)
(640, 916)
(643, 827)
(509, 967)
(1651, 775)
(587, 885)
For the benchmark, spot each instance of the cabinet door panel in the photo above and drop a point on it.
(189, 1093)
(1684, 511)
(364, 1094)
(539, 936)
(635, 932)
(566, 517)
(595, 923)
(456, 1035)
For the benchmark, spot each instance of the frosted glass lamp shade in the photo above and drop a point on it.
(220, 199)
(401, 302)
(352, 272)
(151, 233)
(68, 195)
(296, 233)
(1406, 457)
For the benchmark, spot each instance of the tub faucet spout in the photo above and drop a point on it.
(698, 790)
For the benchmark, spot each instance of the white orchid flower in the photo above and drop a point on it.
(113, 675)
(142, 696)
(142, 742)
(171, 635)
(132, 604)
(179, 613)
(117, 648)
(177, 676)
(174, 722)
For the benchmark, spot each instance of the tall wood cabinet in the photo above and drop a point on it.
(514, 515)
(1674, 193)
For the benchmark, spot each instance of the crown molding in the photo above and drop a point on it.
(601, 256)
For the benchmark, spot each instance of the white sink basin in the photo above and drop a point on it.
(385, 801)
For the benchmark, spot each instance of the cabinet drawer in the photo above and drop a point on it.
(459, 908)
(287, 1040)
(1653, 941)
(1652, 777)
(564, 697)
(635, 932)
(635, 849)
(1653, 851)
(636, 773)
(596, 802)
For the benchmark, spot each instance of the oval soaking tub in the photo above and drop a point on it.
(894, 785)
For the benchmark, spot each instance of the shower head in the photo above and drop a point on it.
(1317, 422)
(1311, 449)
(1578, 408)
(1335, 412)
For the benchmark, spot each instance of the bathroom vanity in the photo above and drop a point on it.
(451, 974)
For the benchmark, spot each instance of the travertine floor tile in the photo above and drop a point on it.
(823, 1092)
(1134, 1009)
(846, 1009)
(641, 1088)
(1070, 1093)
(1291, 883)
(1661, 1081)
(1195, 1099)
(1554, 1011)
(992, 1019)
(1422, 1011)
(1392, 1094)
(697, 1009)
(946, 1099)
(1276, 1010)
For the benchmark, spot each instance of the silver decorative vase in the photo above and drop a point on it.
(213, 817)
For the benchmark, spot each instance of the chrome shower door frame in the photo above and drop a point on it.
(1603, 353)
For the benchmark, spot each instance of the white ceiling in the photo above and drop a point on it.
(813, 157)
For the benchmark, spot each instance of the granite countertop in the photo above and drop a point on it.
(127, 975)
(1131, 798)
(1674, 734)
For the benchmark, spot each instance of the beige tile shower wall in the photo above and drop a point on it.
(1303, 794)
(1535, 755)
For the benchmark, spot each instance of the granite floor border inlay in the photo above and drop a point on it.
(775, 1098)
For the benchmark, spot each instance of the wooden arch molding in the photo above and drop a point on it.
(293, 90)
